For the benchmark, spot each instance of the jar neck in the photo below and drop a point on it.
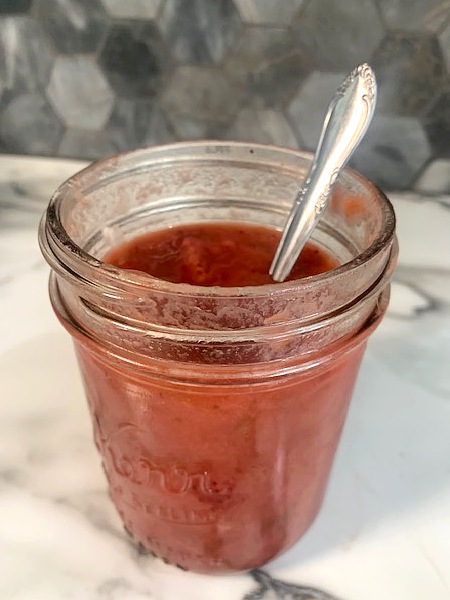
(222, 363)
(279, 343)
(151, 189)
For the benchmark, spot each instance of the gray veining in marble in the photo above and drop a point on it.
(268, 588)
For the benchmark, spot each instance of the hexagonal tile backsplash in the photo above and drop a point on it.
(90, 78)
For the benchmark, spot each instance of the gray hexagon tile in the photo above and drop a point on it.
(132, 9)
(265, 126)
(393, 152)
(135, 59)
(200, 102)
(26, 58)
(435, 179)
(415, 15)
(80, 93)
(268, 12)
(88, 144)
(307, 110)
(444, 43)
(199, 31)
(101, 76)
(74, 26)
(411, 72)
(135, 123)
(268, 64)
(14, 6)
(437, 124)
(340, 34)
(29, 125)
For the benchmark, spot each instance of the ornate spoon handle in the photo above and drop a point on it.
(348, 116)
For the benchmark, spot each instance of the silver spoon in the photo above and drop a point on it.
(347, 119)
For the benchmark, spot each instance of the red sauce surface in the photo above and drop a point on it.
(209, 254)
(215, 477)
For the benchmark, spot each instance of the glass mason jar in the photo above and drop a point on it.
(217, 411)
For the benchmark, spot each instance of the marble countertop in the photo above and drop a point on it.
(384, 529)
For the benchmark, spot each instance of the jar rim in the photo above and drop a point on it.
(110, 276)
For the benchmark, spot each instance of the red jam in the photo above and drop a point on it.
(216, 477)
(223, 254)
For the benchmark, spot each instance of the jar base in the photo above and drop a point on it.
(221, 568)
